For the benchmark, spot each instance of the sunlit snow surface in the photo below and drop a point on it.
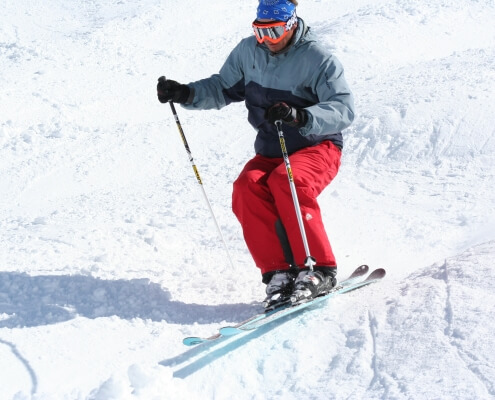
(108, 253)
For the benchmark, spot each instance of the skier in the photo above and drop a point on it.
(282, 74)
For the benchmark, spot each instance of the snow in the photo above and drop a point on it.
(108, 253)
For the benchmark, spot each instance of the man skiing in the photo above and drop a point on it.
(282, 74)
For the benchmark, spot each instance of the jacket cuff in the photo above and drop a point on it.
(306, 129)
(190, 98)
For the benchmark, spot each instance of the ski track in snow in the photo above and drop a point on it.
(109, 257)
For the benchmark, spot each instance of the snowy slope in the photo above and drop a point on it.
(108, 254)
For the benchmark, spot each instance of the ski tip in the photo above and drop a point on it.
(359, 271)
(362, 269)
(377, 274)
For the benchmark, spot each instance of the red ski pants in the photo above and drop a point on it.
(262, 195)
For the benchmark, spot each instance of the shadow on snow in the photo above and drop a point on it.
(27, 301)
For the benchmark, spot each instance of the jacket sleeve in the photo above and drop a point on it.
(220, 89)
(335, 109)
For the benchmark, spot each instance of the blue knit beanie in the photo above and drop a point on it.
(278, 10)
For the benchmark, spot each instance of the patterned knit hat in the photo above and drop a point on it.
(277, 10)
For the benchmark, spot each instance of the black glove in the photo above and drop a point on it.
(287, 114)
(171, 90)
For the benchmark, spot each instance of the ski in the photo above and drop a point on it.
(375, 276)
(351, 283)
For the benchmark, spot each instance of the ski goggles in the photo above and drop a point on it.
(273, 32)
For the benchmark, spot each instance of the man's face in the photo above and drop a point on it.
(276, 47)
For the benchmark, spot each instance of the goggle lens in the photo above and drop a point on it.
(273, 33)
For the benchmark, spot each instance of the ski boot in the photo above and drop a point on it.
(279, 289)
(311, 284)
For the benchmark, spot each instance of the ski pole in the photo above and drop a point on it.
(198, 178)
(310, 261)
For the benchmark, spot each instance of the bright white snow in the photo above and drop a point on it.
(108, 254)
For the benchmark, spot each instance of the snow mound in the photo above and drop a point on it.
(426, 336)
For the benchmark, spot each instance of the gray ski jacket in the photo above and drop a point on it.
(305, 75)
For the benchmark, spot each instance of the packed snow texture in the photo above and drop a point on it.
(109, 255)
